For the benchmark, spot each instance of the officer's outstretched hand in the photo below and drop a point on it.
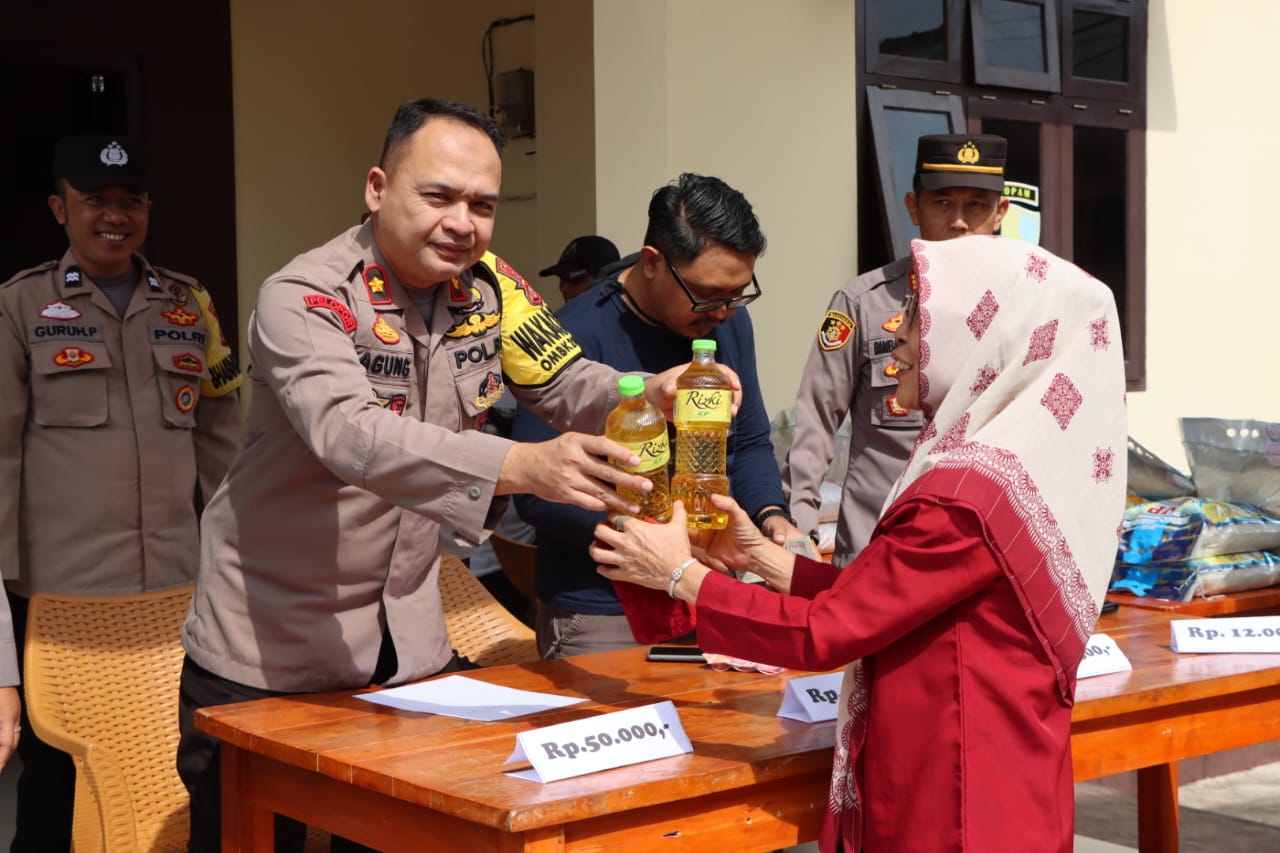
(570, 469)
(660, 389)
(9, 717)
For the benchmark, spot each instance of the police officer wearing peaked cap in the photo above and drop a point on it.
(956, 192)
(120, 418)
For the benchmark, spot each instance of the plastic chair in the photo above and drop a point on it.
(480, 628)
(518, 560)
(101, 683)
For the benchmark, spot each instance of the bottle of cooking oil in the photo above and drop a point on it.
(639, 426)
(702, 413)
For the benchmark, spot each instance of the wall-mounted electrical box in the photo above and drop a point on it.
(514, 108)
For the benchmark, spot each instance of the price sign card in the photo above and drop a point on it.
(812, 698)
(1239, 634)
(1101, 657)
(601, 743)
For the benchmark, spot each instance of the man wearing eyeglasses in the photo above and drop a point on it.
(956, 192)
(692, 277)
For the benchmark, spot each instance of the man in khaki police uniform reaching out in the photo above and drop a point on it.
(120, 418)
(375, 360)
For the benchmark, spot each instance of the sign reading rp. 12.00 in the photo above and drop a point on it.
(1240, 634)
(601, 743)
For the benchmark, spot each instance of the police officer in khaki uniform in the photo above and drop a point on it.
(956, 191)
(120, 418)
(375, 360)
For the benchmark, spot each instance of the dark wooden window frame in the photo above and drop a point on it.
(1083, 102)
(878, 101)
(986, 74)
(951, 70)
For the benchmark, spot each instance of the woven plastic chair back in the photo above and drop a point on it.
(102, 684)
(518, 560)
(480, 628)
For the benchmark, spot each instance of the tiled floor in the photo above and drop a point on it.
(1235, 813)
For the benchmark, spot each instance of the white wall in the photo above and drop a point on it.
(1213, 308)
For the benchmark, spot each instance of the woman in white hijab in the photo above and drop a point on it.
(963, 621)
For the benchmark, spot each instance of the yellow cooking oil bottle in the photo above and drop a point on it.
(639, 426)
(702, 414)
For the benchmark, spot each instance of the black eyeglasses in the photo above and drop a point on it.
(704, 306)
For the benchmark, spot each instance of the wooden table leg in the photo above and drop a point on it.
(1158, 809)
(246, 826)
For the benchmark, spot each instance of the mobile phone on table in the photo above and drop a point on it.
(676, 654)
(1109, 607)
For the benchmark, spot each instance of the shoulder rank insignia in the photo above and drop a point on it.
(457, 293)
(72, 278)
(153, 283)
(835, 331)
(375, 281)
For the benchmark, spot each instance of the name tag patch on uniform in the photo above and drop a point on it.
(178, 336)
(835, 331)
(477, 353)
(315, 301)
(59, 310)
(382, 364)
(178, 317)
(185, 398)
(375, 281)
(383, 331)
(80, 332)
(72, 357)
(883, 346)
(490, 390)
(189, 362)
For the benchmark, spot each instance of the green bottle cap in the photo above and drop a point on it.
(704, 345)
(631, 385)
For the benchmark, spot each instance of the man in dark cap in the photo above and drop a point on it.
(579, 263)
(956, 191)
(120, 418)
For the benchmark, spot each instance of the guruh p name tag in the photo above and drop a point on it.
(1239, 634)
(1101, 657)
(812, 698)
(600, 743)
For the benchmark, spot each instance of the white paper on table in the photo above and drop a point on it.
(1101, 657)
(602, 742)
(468, 699)
(812, 698)
(1237, 634)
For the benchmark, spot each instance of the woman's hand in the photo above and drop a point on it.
(743, 548)
(639, 552)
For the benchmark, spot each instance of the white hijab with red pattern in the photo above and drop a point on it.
(1022, 380)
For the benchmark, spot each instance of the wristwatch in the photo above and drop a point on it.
(769, 512)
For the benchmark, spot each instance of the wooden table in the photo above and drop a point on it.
(401, 781)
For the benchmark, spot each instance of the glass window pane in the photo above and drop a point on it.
(913, 28)
(1099, 46)
(1101, 207)
(905, 128)
(1014, 35)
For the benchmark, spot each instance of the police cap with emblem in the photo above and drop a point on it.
(583, 256)
(960, 160)
(90, 163)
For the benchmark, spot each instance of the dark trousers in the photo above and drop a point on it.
(47, 784)
(200, 767)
